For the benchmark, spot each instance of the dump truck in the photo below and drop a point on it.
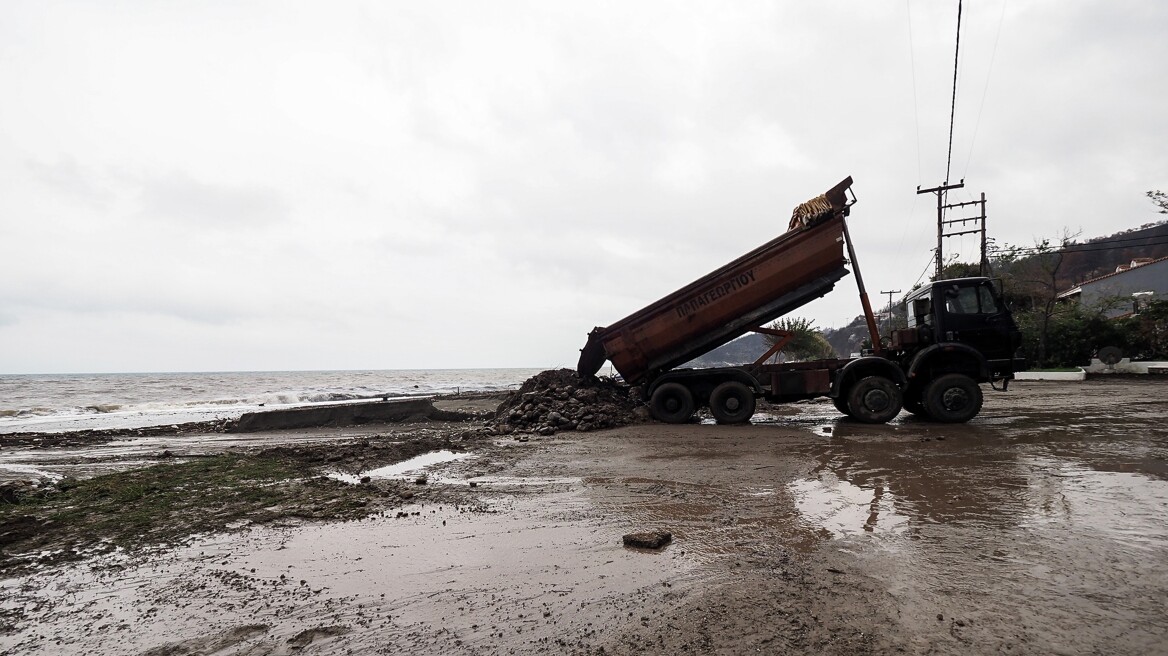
(959, 335)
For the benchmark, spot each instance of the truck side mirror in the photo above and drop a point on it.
(922, 307)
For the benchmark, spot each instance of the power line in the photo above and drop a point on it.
(1081, 248)
(985, 90)
(1095, 242)
(953, 100)
(913, 67)
(923, 271)
(1111, 240)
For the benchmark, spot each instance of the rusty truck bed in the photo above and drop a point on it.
(766, 283)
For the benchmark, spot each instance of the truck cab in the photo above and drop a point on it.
(959, 331)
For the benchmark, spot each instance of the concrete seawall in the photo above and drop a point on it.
(341, 414)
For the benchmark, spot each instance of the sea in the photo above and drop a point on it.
(69, 402)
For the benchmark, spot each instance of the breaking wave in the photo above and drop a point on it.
(81, 400)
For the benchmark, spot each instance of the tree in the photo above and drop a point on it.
(1073, 336)
(1160, 199)
(808, 342)
(1145, 335)
(1032, 277)
(955, 269)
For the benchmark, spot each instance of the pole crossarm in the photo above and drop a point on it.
(890, 294)
(944, 187)
(942, 222)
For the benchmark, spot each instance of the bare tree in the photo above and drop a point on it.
(1159, 199)
(1033, 275)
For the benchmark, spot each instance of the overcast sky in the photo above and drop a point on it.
(310, 185)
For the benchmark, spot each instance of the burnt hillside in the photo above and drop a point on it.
(1099, 256)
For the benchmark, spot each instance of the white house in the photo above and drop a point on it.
(1144, 279)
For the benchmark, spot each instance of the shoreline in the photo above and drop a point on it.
(805, 533)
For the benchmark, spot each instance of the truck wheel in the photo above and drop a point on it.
(874, 400)
(953, 399)
(732, 403)
(672, 403)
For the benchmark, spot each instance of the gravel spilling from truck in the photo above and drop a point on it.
(562, 400)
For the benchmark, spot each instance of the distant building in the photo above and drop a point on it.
(1144, 279)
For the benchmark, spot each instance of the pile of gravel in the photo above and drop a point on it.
(560, 400)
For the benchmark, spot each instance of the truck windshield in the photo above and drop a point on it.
(970, 300)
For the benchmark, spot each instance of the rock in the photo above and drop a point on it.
(648, 540)
(10, 491)
(365, 479)
(421, 480)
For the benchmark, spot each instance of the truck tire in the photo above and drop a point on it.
(672, 403)
(874, 400)
(732, 403)
(953, 399)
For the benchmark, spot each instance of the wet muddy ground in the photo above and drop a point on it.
(1037, 528)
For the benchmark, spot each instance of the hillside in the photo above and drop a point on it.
(744, 350)
(847, 339)
(1084, 260)
(1099, 256)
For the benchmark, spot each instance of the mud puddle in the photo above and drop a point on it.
(1036, 531)
(402, 470)
(438, 579)
(843, 509)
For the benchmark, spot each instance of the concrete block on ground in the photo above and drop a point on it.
(1051, 375)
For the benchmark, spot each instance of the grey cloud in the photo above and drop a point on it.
(179, 197)
(70, 179)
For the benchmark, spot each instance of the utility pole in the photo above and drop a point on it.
(943, 223)
(890, 293)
